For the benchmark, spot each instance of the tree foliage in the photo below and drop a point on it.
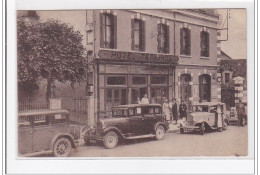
(49, 50)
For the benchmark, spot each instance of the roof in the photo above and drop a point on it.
(43, 112)
(137, 105)
(239, 66)
(225, 56)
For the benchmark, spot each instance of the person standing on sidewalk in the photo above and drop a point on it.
(240, 113)
(166, 110)
(173, 106)
(183, 110)
(145, 99)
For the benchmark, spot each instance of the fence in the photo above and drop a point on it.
(32, 105)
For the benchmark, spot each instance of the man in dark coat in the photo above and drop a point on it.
(174, 110)
(183, 110)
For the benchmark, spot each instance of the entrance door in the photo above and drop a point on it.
(138, 93)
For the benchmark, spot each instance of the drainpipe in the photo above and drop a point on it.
(174, 53)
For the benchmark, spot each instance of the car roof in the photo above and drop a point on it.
(207, 104)
(43, 112)
(137, 105)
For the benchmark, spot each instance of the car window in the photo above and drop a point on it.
(157, 110)
(120, 113)
(138, 111)
(131, 112)
(59, 118)
(150, 110)
(41, 120)
(25, 121)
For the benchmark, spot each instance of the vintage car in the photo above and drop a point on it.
(233, 118)
(128, 122)
(206, 116)
(44, 132)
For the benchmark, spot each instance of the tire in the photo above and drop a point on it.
(159, 132)
(181, 130)
(110, 140)
(202, 128)
(62, 147)
(86, 140)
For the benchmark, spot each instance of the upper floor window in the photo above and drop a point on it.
(108, 30)
(138, 34)
(185, 41)
(163, 38)
(204, 44)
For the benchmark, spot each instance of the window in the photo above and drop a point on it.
(60, 118)
(41, 120)
(158, 95)
(119, 80)
(158, 79)
(163, 38)
(185, 88)
(138, 35)
(205, 87)
(138, 80)
(226, 77)
(185, 41)
(204, 44)
(157, 110)
(115, 97)
(108, 32)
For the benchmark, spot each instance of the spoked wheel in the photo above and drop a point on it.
(160, 132)
(202, 128)
(62, 147)
(110, 140)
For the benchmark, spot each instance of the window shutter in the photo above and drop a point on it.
(181, 41)
(101, 30)
(208, 44)
(114, 31)
(159, 38)
(189, 42)
(200, 88)
(143, 35)
(167, 39)
(201, 44)
(132, 34)
(209, 89)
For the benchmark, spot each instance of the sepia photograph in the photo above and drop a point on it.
(132, 83)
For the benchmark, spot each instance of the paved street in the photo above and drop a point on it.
(232, 142)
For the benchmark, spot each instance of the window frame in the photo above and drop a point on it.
(141, 37)
(185, 50)
(165, 48)
(202, 85)
(117, 85)
(204, 52)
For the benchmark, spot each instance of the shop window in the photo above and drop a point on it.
(205, 87)
(117, 80)
(108, 30)
(204, 44)
(158, 95)
(163, 38)
(158, 79)
(185, 88)
(185, 41)
(226, 77)
(115, 97)
(138, 35)
(138, 80)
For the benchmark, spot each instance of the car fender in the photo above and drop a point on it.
(59, 135)
(106, 130)
(160, 123)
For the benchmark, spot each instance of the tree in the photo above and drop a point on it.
(52, 51)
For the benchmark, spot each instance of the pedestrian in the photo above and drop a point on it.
(174, 110)
(166, 110)
(240, 113)
(145, 99)
(183, 110)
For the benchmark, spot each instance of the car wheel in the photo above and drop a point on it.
(159, 132)
(181, 130)
(86, 140)
(110, 140)
(202, 128)
(62, 147)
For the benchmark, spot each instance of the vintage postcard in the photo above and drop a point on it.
(132, 83)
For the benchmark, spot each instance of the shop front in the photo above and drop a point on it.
(126, 77)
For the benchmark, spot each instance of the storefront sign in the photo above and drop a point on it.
(138, 57)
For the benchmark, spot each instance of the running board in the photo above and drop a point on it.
(141, 136)
(35, 153)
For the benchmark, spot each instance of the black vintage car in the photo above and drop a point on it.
(128, 122)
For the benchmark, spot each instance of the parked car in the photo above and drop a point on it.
(128, 122)
(233, 118)
(46, 131)
(206, 116)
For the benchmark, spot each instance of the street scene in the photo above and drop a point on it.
(132, 83)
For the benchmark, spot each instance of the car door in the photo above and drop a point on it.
(25, 136)
(137, 122)
(42, 133)
(149, 119)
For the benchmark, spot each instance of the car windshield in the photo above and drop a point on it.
(120, 113)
